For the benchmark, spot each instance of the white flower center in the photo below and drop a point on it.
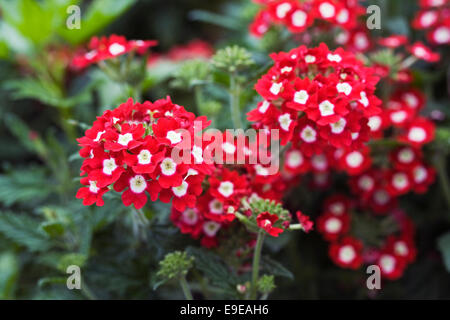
(124, 139)
(333, 225)
(229, 147)
(319, 161)
(398, 116)
(337, 208)
(347, 254)
(364, 101)
(327, 10)
(210, 228)
(442, 34)
(400, 180)
(283, 9)
(226, 188)
(93, 186)
(301, 96)
(428, 18)
(299, 18)
(366, 183)
(334, 57)
(374, 123)
(286, 69)
(411, 100)
(116, 49)
(339, 126)
(109, 165)
(417, 134)
(99, 135)
(354, 159)
(197, 152)
(285, 121)
(401, 248)
(215, 206)
(310, 59)
(308, 134)
(406, 155)
(190, 217)
(276, 88)
(326, 108)
(344, 87)
(173, 136)
(181, 190)
(387, 263)
(294, 159)
(420, 52)
(264, 106)
(261, 171)
(144, 157)
(138, 184)
(343, 16)
(420, 174)
(168, 167)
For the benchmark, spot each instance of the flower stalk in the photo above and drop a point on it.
(234, 101)
(255, 266)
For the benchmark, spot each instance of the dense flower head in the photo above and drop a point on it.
(298, 16)
(139, 149)
(104, 48)
(319, 100)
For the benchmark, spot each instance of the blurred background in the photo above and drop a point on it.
(45, 105)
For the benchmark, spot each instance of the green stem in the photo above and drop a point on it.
(255, 267)
(184, 285)
(443, 177)
(86, 291)
(234, 102)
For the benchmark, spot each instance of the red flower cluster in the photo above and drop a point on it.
(110, 47)
(134, 150)
(319, 100)
(347, 251)
(297, 16)
(434, 17)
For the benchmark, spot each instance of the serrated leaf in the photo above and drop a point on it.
(25, 186)
(23, 230)
(213, 267)
(275, 268)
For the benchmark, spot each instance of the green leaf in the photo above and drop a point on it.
(28, 186)
(51, 280)
(275, 268)
(99, 15)
(24, 231)
(53, 228)
(214, 268)
(9, 270)
(35, 20)
(69, 259)
(444, 247)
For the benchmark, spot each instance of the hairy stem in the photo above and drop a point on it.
(234, 101)
(185, 286)
(255, 267)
